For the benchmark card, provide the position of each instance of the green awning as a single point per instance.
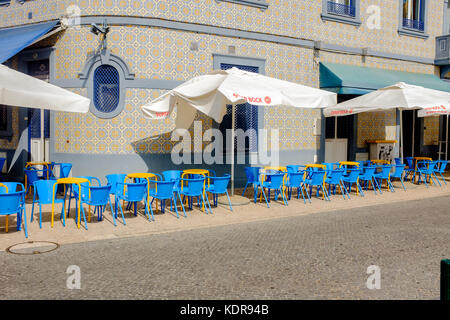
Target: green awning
(347, 79)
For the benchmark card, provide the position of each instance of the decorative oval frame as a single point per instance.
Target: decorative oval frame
(105, 57)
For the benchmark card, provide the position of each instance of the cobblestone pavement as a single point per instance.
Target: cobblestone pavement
(318, 256)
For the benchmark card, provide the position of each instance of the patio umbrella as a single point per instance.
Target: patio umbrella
(211, 93)
(400, 95)
(21, 90)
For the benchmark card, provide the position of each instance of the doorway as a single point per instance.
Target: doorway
(340, 135)
(411, 145)
(37, 118)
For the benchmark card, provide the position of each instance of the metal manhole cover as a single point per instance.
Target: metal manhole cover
(32, 247)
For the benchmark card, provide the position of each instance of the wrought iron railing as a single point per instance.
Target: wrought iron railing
(414, 24)
(341, 9)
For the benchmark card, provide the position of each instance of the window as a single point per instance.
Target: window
(342, 7)
(106, 89)
(412, 19)
(246, 116)
(345, 11)
(413, 14)
(5, 122)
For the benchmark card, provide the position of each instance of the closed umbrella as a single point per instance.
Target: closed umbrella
(211, 93)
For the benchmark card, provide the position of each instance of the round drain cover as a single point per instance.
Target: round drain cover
(32, 247)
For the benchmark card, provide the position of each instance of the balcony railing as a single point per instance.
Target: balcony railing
(414, 24)
(341, 9)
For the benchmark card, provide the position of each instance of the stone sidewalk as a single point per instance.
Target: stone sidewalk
(168, 222)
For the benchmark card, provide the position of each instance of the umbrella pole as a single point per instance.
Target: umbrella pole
(42, 136)
(401, 134)
(413, 131)
(232, 149)
(446, 140)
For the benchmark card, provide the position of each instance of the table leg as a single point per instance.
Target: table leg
(53, 203)
(79, 205)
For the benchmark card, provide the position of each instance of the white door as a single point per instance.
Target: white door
(39, 119)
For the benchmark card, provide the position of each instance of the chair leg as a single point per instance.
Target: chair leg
(182, 206)
(174, 200)
(146, 210)
(265, 198)
(440, 185)
(229, 201)
(25, 227)
(245, 188)
(84, 216)
(112, 212)
(358, 186)
(207, 201)
(121, 211)
(401, 180)
(326, 193)
(63, 213)
(40, 216)
(443, 179)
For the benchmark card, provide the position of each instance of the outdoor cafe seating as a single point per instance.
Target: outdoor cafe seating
(182, 188)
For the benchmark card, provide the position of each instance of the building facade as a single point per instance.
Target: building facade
(153, 46)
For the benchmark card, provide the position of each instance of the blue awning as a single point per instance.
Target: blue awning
(14, 40)
(347, 79)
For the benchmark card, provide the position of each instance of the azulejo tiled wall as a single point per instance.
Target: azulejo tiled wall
(127, 133)
(373, 125)
(164, 54)
(431, 131)
(12, 144)
(155, 53)
(293, 18)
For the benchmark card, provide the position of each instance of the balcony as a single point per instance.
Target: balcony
(414, 24)
(341, 9)
(442, 51)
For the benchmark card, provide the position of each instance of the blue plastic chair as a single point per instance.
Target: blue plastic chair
(440, 168)
(2, 163)
(352, 178)
(385, 175)
(296, 180)
(333, 179)
(398, 161)
(73, 191)
(293, 168)
(132, 193)
(426, 170)
(31, 176)
(316, 178)
(274, 181)
(11, 187)
(253, 178)
(368, 177)
(330, 166)
(65, 169)
(98, 197)
(43, 194)
(12, 203)
(398, 174)
(194, 189)
(219, 185)
(174, 175)
(410, 169)
(164, 190)
(112, 180)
